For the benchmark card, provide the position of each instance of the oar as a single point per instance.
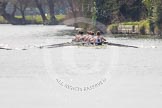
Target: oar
(80, 43)
(119, 45)
(61, 45)
(5, 48)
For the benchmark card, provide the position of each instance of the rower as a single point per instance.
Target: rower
(81, 37)
(99, 39)
(78, 36)
(86, 37)
(91, 38)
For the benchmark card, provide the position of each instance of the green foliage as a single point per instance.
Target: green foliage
(113, 28)
(130, 23)
(94, 16)
(144, 27)
(60, 17)
(145, 23)
(149, 6)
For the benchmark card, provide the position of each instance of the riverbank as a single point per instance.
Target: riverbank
(145, 28)
(34, 19)
(136, 36)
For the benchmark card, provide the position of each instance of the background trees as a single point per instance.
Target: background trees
(104, 11)
(39, 5)
(9, 17)
(20, 6)
(159, 15)
(107, 10)
(51, 4)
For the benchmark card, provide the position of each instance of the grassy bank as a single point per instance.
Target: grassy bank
(2, 20)
(36, 19)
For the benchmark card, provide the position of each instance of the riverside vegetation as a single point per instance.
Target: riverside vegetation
(146, 14)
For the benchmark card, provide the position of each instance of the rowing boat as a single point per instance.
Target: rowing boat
(77, 44)
(93, 46)
(88, 45)
(84, 44)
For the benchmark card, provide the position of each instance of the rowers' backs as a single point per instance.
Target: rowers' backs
(78, 37)
(89, 37)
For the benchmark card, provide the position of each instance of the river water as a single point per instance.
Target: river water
(64, 77)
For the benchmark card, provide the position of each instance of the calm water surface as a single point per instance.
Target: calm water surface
(133, 76)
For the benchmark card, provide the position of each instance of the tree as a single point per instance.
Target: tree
(106, 10)
(73, 7)
(132, 10)
(149, 5)
(21, 5)
(159, 15)
(2, 6)
(9, 17)
(51, 4)
(42, 13)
